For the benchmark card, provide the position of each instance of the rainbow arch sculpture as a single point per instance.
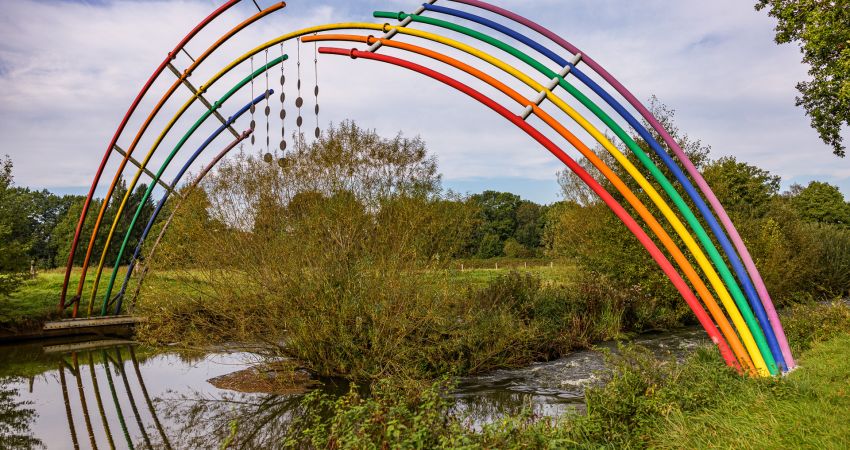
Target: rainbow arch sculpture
(746, 329)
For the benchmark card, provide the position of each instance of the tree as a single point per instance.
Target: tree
(490, 246)
(530, 219)
(822, 28)
(822, 202)
(513, 249)
(16, 419)
(742, 188)
(13, 244)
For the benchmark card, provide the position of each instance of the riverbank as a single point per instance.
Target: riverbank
(27, 309)
(641, 402)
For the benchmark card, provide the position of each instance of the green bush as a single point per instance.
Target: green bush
(807, 325)
(513, 249)
(393, 416)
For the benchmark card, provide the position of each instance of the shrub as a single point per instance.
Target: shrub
(513, 249)
(807, 325)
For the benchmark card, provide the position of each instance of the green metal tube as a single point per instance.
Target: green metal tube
(115, 399)
(657, 174)
(165, 164)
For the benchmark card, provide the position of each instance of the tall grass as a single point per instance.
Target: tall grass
(642, 402)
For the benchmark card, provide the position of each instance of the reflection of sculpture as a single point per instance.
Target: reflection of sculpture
(15, 420)
(197, 420)
(111, 361)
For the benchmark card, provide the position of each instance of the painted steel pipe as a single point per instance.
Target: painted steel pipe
(147, 194)
(752, 270)
(203, 173)
(202, 89)
(606, 197)
(751, 333)
(171, 55)
(176, 180)
(763, 335)
(657, 229)
(750, 294)
(659, 176)
(129, 151)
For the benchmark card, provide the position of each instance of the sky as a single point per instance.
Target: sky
(70, 69)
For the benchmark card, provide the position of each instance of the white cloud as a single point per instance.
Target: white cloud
(69, 70)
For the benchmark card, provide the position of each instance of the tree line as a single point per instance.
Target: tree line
(36, 227)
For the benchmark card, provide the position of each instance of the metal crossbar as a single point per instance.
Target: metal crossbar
(147, 172)
(553, 83)
(203, 100)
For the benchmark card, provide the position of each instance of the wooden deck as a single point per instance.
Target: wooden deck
(110, 326)
(91, 322)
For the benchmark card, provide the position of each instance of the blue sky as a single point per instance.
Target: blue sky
(69, 69)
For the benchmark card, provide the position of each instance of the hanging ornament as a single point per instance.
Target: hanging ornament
(299, 101)
(253, 108)
(282, 106)
(268, 109)
(316, 87)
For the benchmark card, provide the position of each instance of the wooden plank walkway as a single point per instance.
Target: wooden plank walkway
(92, 322)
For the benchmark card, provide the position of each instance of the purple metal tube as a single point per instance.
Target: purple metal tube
(680, 154)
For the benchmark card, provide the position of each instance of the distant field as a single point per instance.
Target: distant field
(38, 298)
(36, 301)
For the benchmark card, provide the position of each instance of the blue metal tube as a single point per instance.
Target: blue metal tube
(705, 211)
(173, 185)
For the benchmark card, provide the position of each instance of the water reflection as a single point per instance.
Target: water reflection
(114, 394)
(113, 362)
(107, 395)
(16, 419)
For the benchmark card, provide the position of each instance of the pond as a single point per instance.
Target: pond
(116, 394)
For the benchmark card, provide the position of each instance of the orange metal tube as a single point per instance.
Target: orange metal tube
(171, 55)
(657, 229)
(129, 151)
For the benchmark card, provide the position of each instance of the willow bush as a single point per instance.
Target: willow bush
(323, 256)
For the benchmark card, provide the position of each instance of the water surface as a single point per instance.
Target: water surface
(115, 394)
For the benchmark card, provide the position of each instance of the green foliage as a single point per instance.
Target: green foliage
(640, 402)
(604, 249)
(513, 249)
(505, 217)
(16, 418)
(808, 325)
(821, 28)
(743, 189)
(821, 202)
(13, 244)
(798, 260)
(334, 272)
(403, 416)
(490, 246)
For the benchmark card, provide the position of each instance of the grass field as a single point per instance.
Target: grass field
(37, 299)
(806, 410)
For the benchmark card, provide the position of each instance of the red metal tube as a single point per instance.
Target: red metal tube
(606, 197)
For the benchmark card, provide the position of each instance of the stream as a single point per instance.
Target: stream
(116, 394)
